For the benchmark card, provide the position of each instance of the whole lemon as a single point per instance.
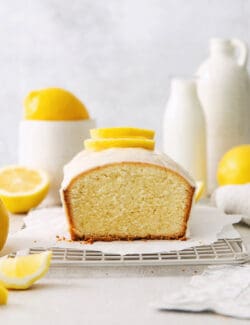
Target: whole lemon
(4, 224)
(54, 104)
(234, 167)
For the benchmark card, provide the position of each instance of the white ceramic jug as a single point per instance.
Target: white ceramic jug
(223, 89)
(184, 128)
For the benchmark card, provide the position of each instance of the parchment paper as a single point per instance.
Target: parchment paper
(206, 225)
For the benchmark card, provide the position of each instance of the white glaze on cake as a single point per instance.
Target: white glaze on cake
(87, 160)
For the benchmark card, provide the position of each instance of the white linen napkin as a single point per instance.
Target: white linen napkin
(221, 289)
(233, 199)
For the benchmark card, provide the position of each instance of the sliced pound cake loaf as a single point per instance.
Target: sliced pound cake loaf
(126, 194)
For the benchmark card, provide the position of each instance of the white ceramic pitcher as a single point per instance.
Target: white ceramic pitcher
(223, 89)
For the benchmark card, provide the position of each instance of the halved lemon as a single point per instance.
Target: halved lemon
(200, 187)
(22, 271)
(3, 295)
(102, 144)
(121, 132)
(4, 224)
(22, 188)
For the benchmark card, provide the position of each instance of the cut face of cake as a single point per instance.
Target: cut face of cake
(126, 194)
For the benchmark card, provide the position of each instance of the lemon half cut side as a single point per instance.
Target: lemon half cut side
(4, 224)
(22, 188)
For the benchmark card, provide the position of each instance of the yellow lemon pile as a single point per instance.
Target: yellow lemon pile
(234, 167)
(54, 104)
(21, 272)
(120, 137)
(22, 188)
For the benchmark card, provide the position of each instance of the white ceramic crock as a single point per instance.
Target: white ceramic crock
(49, 145)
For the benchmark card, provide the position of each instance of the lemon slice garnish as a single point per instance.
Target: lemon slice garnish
(3, 295)
(101, 144)
(22, 271)
(22, 188)
(121, 132)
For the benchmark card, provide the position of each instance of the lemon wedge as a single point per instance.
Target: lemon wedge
(200, 187)
(22, 271)
(4, 224)
(54, 104)
(102, 144)
(121, 132)
(22, 188)
(3, 295)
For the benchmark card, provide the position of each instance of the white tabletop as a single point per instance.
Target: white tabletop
(108, 296)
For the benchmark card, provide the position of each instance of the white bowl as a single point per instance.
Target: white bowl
(49, 145)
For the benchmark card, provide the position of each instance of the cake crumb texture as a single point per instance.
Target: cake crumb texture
(128, 201)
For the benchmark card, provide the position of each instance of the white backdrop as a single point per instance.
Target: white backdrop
(118, 56)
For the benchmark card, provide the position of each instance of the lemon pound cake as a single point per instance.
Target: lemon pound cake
(126, 194)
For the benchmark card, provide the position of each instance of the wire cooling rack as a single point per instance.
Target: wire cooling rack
(223, 251)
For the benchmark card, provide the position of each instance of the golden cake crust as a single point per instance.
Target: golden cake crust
(74, 236)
